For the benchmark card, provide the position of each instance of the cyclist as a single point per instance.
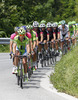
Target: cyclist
(74, 26)
(33, 44)
(77, 30)
(50, 36)
(12, 44)
(64, 33)
(71, 30)
(43, 33)
(37, 30)
(56, 33)
(21, 48)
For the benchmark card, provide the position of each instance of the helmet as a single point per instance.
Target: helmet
(29, 27)
(60, 22)
(35, 24)
(54, 25)
(24, 27)
(16, 29)
(42, 25)
(73, 22)
(49, 24)
(76, 23)
(21, 30)
(69, 23)
(43, 21)
(64, 21)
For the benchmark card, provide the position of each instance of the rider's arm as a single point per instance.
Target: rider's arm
(47, 36)
(11, 44)
(31, 46)
(14, 48)
(28, 48)
(58, 35)
(41, 34)
(54, 36)
(69, 34)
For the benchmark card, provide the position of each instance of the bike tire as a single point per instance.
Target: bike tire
(18, 80)
(21, 78)
(21, 83)
(29, 74)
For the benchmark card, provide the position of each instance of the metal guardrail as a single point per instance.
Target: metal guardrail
(4, 40)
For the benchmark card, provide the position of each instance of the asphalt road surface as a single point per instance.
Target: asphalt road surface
(9, 90)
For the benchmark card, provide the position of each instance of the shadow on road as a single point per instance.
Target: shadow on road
(34, 81)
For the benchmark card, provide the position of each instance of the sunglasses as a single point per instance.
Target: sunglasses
(22, 35)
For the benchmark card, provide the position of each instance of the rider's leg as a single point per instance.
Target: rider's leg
(45, 46)
(52, 44)
(56, 43)
(16, 60)
(25, 65)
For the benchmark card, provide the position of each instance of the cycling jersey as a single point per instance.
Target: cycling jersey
(21, 45)
(76, 27)
(34, 35)
(63, 33)
(12, 36)
(56, 32)
(28, 34)
(38, 34)
(50, 33)
(44, 34)
(71, 30)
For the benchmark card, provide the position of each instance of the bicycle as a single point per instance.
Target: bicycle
(43, 55)
(65, 46)
(20, 71)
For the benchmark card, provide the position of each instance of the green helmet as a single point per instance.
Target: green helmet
(43, 21)
(21, 31)
(29, 27)
(73, 22)
(56, 23)
(60, 22)
(69, 23)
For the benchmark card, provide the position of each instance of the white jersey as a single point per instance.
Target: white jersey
(63, 32)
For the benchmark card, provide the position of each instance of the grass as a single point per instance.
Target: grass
(65, 78)
(4, 48)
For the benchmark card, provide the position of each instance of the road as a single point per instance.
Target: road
(9, 90)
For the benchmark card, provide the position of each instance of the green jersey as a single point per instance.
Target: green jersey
(76, 27)
(21, 45)
(71, 30)
(33, 36)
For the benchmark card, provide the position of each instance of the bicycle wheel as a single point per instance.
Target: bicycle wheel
(18, 77)
(29, 73)
(21, 78)
(41, 61)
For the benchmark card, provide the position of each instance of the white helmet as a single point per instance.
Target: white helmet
(49, 24)
(54, 25)
(35, 24)
(42, 25)
(16, 29)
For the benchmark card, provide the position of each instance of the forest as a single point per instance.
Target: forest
(23, 12)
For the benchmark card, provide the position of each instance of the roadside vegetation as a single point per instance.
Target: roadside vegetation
(65, 78)
(4, 48)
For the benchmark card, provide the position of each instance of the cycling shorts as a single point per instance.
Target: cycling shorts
(24, 54)
(65, 36)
